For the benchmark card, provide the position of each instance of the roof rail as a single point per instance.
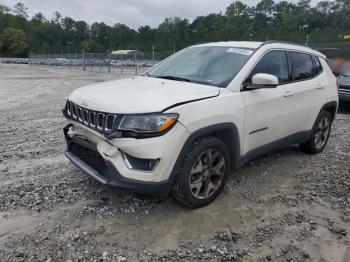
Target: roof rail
(280, 42)
(286, 42)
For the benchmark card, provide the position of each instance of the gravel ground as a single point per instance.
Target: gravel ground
(285, 206)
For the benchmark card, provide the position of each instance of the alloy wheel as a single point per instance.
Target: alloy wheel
(322, 132)
(207, 174)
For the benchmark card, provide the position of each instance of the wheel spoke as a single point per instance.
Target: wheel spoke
(211, 156)
(325, 125)
(210, 188)
(325, 128)
(218, 169)
(196, 187)
(316, 138)
(198, 168)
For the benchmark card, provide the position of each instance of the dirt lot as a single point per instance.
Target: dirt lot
(286, 206)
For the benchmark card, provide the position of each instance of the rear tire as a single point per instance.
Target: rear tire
(320, 134)
(203, 173)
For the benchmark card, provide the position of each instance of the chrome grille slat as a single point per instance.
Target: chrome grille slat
(79, 114)
(103, 123)
(344, 90)
(93, 122)
(109, 119)
(71, 108)
(344, 87)
(68, 108)
(74, 112)
(100, 118)
(86, 117)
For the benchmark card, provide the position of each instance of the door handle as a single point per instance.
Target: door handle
(320, 87)
(288, 94)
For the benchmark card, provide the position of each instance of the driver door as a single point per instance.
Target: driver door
(268, 110)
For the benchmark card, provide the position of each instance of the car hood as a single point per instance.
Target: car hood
(139, 95)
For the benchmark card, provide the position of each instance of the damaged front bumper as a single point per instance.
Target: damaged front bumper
(85, 155)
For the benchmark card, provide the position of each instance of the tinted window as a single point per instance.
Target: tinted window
(302, 66)
(317, 65)
(274, 63)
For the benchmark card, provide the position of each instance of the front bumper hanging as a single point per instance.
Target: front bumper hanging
(84, 154)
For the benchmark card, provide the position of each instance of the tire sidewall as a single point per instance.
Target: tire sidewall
(319, 118)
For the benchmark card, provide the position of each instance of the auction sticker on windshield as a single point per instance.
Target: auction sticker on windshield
(239, 51)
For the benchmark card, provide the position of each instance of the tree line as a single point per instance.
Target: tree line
(327, 21)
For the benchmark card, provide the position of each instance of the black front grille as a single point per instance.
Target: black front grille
(344, 90)
(89, 157)
(344, 87)
(101, 122)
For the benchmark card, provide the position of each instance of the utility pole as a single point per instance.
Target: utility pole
(135, 58)
(61, 58)
(121, 63)
(307, 40)
(153, 54)
(109, 62)
(84, 65)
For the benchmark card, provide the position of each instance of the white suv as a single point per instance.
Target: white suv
(185, 124)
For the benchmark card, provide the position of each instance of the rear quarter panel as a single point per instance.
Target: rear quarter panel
(331, 86)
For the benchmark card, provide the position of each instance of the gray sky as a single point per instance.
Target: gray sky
(133, 13)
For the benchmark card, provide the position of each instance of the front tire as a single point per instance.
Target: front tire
(320, 134)
(203, 173)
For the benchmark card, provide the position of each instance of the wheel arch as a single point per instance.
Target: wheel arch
(330, 107)
(227, 132)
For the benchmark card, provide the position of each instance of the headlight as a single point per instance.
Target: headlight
(148, 123)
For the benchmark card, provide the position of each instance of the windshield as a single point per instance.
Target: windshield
(215, 66)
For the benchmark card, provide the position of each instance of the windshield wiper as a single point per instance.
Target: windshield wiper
(176, 78)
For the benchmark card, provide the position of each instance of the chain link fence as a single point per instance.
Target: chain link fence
(132, 62)
(126, 62)
(333, 50)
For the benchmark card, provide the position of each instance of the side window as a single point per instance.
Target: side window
(317, 65)
(302, 66)
(274, 63)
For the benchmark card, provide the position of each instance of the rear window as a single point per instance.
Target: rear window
(317, 65)
(302, 66)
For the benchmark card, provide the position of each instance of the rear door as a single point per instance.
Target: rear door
(308, 90)
(268, 110)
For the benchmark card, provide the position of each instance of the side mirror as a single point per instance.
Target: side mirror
(263, 81)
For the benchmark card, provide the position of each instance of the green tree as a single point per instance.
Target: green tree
(237, 9)
(56, 19)
(39, 17)
(4, 9)
(322, 21)
(14, 42)
(20, 10)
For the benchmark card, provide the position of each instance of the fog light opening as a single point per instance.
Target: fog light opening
(139, 164)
